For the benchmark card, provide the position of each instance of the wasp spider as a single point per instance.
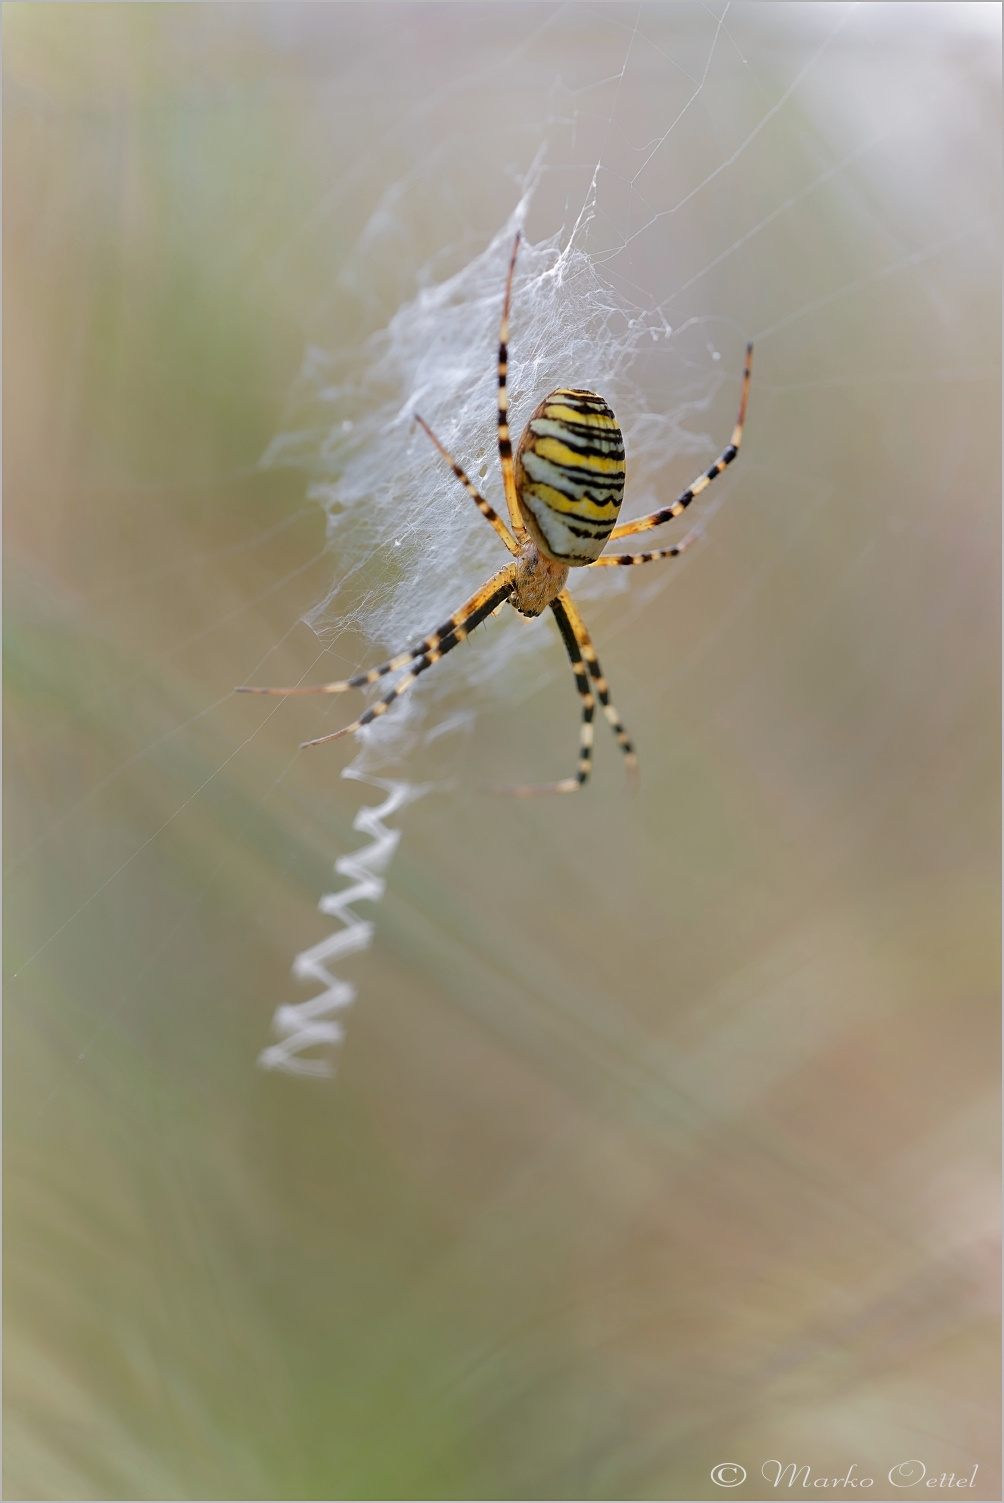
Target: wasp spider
(563, 491)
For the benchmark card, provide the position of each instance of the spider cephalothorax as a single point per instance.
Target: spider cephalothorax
(563, 493)
(537, 580)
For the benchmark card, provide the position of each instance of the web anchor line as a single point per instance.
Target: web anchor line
(304, 1025)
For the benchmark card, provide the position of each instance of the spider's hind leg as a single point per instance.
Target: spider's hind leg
(505, 442)
(488, 512)
(728, 454)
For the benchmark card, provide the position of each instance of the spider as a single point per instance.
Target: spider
(563, 490)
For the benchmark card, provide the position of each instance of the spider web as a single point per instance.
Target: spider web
(407, 544)
(406, 549)
(614, 291)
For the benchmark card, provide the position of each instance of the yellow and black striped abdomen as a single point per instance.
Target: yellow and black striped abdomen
(570, 475)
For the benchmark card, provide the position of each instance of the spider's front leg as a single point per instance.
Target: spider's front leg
(452, 632)
(584, 642)
(582, 656)
(566, 785)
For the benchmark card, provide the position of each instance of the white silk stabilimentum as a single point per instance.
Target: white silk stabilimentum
(303, 1026)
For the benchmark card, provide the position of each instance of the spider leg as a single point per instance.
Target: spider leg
(567, 785)
(453, 632)
(505, 444)
(402, 659)
(593, 664)
(623, 560)
(486, 511)
(581, 655)
(643, 524)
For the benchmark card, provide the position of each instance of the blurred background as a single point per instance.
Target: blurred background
(664, 1130)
